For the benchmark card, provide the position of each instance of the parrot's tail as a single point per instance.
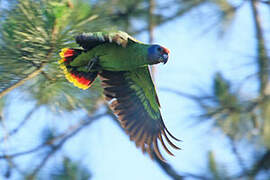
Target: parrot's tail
(80, 79)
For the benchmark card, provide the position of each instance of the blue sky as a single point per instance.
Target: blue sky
(194, 58)
(193, 61)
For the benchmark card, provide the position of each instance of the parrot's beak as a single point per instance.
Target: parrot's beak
(165, 58)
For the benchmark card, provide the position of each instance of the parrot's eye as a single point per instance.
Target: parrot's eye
(159, 49)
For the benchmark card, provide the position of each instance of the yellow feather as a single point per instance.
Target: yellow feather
(64, 50)
(67, 74)
(61, 61)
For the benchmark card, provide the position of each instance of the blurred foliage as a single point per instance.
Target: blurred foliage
(2, 105)
(227, 14)
(217, 171)
(69, 170)
(33, 31)
(241, 118)
(229, 109)
(32, 34)
(48, 134)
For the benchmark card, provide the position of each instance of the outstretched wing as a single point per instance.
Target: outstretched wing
(132, 97)
(93, 39)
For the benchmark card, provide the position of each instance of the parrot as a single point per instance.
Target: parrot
(122, 64)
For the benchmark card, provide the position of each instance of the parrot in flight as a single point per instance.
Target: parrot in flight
(122, 64)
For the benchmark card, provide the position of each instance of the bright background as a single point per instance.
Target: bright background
(197, 53)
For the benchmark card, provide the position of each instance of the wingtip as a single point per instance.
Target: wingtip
(169, 141)
(164, 146)
(170, 134)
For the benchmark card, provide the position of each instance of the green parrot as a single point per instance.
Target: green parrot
(122, 63)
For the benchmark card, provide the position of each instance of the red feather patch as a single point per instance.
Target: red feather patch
(166, 50)
(82, 80)
(69, 53)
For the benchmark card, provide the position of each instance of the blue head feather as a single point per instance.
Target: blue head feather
(157, 54)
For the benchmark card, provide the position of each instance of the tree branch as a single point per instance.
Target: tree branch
(263, 66)
(262, 57)
(71, 131)
(265, 2)
(55, 148)
(262, 163)
(39, 67)
(237, 155)
(21, 124)
(167, 168)
(170, 171)
(22, 81)
(174, 16)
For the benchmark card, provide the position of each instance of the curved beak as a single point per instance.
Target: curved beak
(165, 58)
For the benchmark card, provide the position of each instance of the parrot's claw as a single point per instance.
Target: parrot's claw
(91, 63)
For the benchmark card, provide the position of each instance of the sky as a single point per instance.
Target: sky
(195, 57)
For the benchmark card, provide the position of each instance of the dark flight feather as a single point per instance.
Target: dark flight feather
(130, 106)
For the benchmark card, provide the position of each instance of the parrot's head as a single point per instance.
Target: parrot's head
(158, 54)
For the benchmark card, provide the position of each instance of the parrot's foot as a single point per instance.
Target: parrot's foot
(91, 63)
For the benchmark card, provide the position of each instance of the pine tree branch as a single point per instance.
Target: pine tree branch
(71, 131)
(21, 124)
(262, 163)
(12, 165)
(42, 72)
(186, 95)
(59, 145)
(22, 81)
(265, 2)
(53, 144)
(170, 171)
(237, 155)
(262, 57)
(167, 168)
(263, 67)
(179, 13)
(39, 67)
(30, 151)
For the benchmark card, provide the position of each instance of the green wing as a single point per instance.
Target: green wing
(132, 97)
